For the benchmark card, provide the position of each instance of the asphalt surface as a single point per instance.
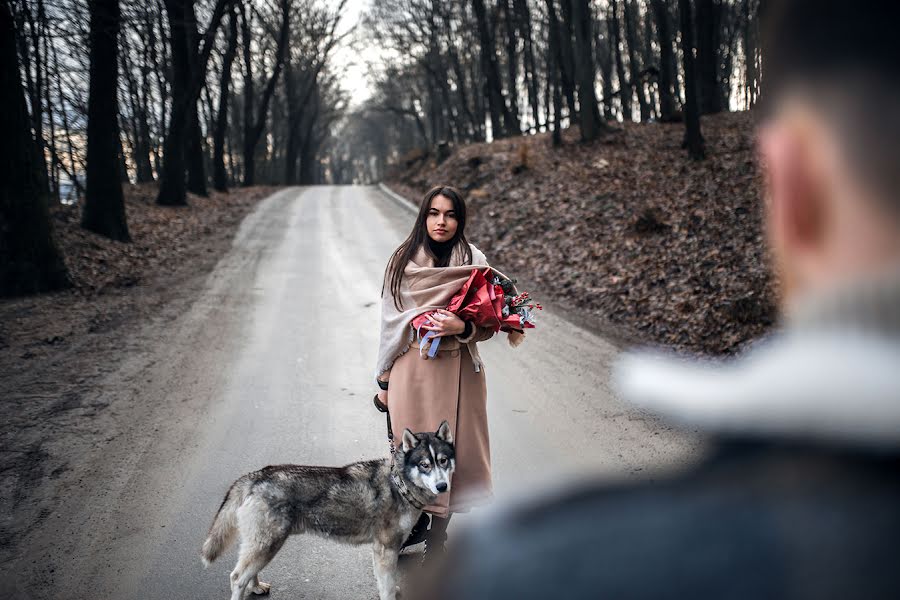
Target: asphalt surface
(273, 363)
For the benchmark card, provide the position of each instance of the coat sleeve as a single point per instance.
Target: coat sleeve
(479, 334)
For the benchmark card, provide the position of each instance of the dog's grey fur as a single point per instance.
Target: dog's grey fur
(356, 504)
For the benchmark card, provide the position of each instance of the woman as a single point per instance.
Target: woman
(423, 274)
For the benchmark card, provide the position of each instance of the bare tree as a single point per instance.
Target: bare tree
(624, 86)
(554, 60)
(531, 75)
(104, 207)
(588, 112)
(667, 100)
(633, 64)
(512, 59)
(502, 122)
(220, 177)
(693, 139)
(29, 259)
(255, 128)
(186, 85)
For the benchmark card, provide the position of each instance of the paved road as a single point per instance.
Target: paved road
(273, 363)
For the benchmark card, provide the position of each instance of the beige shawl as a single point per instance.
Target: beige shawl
(424, 288)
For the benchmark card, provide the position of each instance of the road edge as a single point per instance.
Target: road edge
(400, 200)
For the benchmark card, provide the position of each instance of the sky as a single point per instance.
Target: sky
(349, 60)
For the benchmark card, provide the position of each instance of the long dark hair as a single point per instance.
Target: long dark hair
(440, 252)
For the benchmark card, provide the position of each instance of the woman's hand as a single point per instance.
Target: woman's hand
(445, 323)
(383, 397)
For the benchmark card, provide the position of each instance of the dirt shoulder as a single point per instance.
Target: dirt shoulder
(55, 348)
(626, 232)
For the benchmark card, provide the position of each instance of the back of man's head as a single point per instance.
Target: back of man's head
(844, 57)
(831, 139)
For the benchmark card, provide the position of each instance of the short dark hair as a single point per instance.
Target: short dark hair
(842, 56)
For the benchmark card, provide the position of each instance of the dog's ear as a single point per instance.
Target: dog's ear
(444, 433)
(410, 441)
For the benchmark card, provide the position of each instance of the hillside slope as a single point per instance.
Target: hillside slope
(659, 249)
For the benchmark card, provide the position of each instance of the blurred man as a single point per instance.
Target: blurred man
(800, 497)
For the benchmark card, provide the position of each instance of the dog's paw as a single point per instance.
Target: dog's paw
(261, 589)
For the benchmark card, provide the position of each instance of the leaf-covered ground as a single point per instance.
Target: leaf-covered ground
(627, 230)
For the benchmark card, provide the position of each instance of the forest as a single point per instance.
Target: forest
(197, 95)
(460, 72)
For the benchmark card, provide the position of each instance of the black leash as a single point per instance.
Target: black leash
(398, 481)
(390, 431)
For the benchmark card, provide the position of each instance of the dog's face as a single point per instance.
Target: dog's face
(429, 458)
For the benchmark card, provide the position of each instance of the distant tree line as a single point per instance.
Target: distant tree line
(468, 70)
(186, 93)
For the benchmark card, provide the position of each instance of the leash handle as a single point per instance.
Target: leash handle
(390, 433)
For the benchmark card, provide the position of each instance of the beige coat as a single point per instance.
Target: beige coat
(423, 393)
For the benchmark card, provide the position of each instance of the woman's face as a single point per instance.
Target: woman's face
(441, 222)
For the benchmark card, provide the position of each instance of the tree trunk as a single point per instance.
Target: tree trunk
(524, 18)
(624, 87)
(143, 163)
(172, 188)
(749, 39)
(567, 52)
(649, 60)
(693, 139)
(604, 54)
(708, 20)
(501, 120)
(35, 85)
(255, 131)
(588, 111)
(29, 260)
(478, 99)
(307, 147)
(295, 117)
(512, 61)
(633, 63)
(461, 87)
(668, 107)
(196, 169)
(220, 177)
(187, 82)
(104, 206)
(160, 61)
(554, 65)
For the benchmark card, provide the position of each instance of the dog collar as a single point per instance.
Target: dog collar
(403, 489)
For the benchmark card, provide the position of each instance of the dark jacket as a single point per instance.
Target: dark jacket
(800, 497)
(755, 520)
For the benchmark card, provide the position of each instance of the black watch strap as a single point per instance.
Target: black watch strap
(382, 384)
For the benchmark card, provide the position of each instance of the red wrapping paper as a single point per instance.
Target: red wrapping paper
(480, 302)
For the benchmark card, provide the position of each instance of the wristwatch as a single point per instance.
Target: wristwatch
(382, 384)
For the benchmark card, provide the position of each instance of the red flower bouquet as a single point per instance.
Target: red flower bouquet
(486, 299)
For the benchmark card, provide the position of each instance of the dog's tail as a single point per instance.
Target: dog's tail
(224, 525)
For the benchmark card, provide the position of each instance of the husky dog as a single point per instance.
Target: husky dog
(375, 502)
